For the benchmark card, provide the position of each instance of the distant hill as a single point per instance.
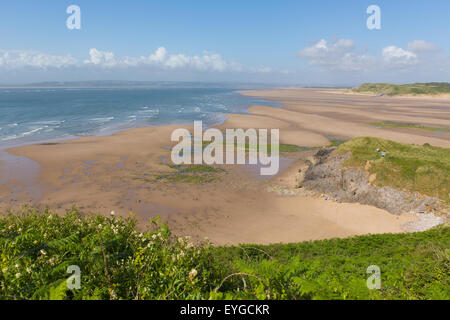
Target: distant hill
(431, 88)
(140, 84)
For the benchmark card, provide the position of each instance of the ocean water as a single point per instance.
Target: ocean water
(39, 115)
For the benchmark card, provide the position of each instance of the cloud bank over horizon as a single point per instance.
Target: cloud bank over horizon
(341, 55)
(38, 66)
(337, 61)
(161, 59)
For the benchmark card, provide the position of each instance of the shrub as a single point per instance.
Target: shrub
(118, 262)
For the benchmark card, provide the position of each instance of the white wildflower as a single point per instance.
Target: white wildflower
(193, 274)
(113, 294)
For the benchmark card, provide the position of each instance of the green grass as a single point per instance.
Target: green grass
(193, 173)
(118, 262)
(283, 148)
(394, 124)
(194, 168)
(50, 144)
(413, 266)
(425, 169)
(336, 143)
(432, 88)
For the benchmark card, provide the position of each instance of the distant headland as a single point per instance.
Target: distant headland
(414, 89)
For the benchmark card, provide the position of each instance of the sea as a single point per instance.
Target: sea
(36, 115)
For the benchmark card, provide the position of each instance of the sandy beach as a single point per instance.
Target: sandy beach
(115, 172)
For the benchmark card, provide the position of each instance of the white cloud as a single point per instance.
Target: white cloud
(337, 55)
(341, 55)
(262, 69)
(206, 62)
(176, 61)
(422, 46)
(159, 56)
(398, 56)
(213, 62)
(20, 58)
(101, 58)
(160, 59)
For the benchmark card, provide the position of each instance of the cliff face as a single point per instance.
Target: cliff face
(324, 172)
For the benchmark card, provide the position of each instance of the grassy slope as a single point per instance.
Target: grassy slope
(413, 266)
(117, 262)
(425, 169)
(432, 88)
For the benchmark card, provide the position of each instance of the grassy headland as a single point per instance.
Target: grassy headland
(425, 169)
(431, 88)
(118, 262)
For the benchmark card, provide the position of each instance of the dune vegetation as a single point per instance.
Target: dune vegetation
(431, 88)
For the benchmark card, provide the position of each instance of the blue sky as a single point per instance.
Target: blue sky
(297, 42)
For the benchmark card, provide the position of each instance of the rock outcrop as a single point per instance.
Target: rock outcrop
(324, 173)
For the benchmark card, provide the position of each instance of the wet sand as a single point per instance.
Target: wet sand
(345, 115)
(116, 172)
